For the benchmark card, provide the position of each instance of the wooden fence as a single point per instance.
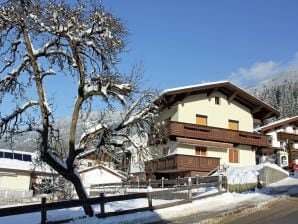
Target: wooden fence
(221, 182)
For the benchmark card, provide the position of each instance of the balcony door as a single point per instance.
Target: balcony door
(201, 151)
(201, 120)
(234, 125)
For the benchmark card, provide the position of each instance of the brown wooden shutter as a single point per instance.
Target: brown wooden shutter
(236, 156)
(231, 157)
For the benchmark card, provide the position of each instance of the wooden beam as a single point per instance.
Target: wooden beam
(267, 115)
(232, 96)
(211, 91)
(256, 109)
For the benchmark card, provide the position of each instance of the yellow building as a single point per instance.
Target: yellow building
(208, 125)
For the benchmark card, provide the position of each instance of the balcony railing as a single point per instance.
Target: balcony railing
(186, 130)
(182, 163)
(287, 136)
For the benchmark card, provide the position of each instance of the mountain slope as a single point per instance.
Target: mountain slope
(281, 92)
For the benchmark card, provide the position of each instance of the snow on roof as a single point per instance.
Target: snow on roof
(103, 167)
(245, 97)
(194, 86)
(17, 151)
(20, 165)
(27, 166)
(276, 123)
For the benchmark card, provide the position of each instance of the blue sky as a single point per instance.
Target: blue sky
(194, 41)
(189, 42)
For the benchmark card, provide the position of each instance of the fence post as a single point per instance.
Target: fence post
(102, 205)
(43, 210)
(197, 179)
(149, 195)
(149, 182)
(189, 189)
(162, 182)
(178, 182)
(220, 183)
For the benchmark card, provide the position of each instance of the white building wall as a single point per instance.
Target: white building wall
(98, 176)
(273, 134)
(218, 115)
(14, 181)
(247, 156)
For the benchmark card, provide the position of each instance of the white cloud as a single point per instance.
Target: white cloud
(261, 71)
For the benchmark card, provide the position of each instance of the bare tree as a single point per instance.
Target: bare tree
(42, 39)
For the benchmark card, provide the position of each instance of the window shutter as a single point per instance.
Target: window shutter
(201, 120)
(233, 125)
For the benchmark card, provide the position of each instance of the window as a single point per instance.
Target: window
(201, 120)
(8, 155)
(233, 156)
(17, 156)
(1, 154)
(233, 125)
(201, 151)
(217, 100)
(27, 158)
(89, 164)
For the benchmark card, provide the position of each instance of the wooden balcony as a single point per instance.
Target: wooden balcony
(186, 130)
(179, 162)
(287, 136)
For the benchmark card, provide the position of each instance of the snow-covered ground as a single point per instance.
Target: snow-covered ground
(220, 203)
(247, 174)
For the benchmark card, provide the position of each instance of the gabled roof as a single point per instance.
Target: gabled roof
(260, 109)
(279, 123)
(100, 166)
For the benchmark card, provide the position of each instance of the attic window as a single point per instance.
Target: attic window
(217, 100)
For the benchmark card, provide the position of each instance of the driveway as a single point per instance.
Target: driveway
(282, 210)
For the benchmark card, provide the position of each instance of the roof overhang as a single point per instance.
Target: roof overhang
(259, 109)
(280, 123)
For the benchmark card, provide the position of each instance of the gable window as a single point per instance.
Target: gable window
(233, 125)
(201, 120)
(233, 156)
(201, 151)
(217, 100)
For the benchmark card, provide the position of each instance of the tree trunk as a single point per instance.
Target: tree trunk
(76, 181)
(71, 176)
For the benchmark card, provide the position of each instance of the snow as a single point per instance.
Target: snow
(220, 203)
(247, 174)
(14, 164)
(277, 122)
(194, 86)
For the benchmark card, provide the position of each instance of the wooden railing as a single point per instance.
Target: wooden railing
(286, 135)
(186, 130)
(43, 208)
(182, 162)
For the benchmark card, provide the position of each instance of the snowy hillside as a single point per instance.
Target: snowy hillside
(281, 92)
